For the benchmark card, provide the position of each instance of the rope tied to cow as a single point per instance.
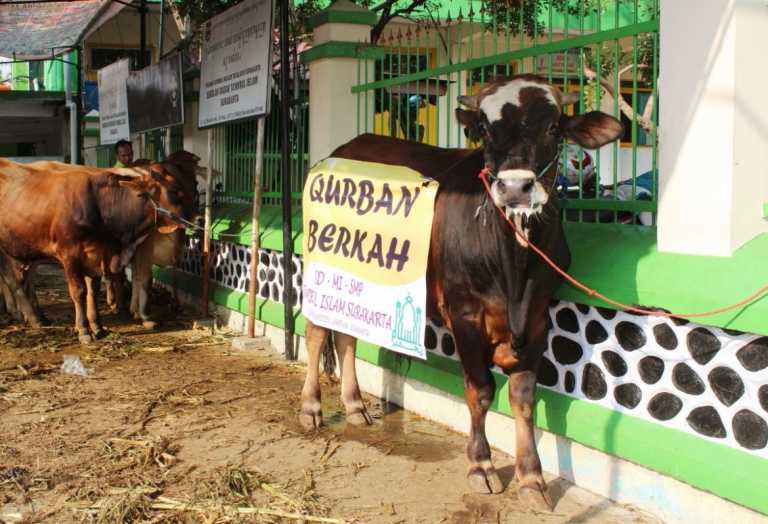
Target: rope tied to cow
(160, 210)
(483, 176)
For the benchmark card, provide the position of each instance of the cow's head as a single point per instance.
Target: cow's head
(163, 193)
(521, 123)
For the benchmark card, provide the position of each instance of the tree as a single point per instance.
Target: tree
(201, 10)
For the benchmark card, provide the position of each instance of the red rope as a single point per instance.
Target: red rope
(594, 293)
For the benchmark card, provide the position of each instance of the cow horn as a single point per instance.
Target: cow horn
(470, 102)
(128, 171)
(570, 97)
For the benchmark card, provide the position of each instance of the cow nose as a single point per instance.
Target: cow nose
(514, 187)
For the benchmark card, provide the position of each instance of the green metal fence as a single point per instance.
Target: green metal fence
(105, 156)
(235, 155)
(607, 50)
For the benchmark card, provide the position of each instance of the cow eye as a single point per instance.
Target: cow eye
(552, 129)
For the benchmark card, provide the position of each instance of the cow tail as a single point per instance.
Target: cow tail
(328, 356)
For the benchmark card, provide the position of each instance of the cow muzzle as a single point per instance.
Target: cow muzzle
(518, 191)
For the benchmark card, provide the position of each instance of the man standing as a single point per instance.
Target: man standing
(124, 153)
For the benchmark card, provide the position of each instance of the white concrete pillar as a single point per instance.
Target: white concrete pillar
(713, 125)
(341, 34)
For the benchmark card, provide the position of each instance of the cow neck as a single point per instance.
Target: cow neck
(124, 213)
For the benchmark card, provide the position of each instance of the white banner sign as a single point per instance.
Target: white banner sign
(366, 241)
(236, 69)
(113, 103)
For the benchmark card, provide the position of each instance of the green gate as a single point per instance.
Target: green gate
(234, 156)
(607, 50)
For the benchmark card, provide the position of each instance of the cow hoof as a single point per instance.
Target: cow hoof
(534, 498)
(484, 481)
(85, 339)
(311, 421)
(149, 324)
(359, 418)
(99, 333)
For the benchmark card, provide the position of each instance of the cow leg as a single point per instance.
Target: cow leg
(78, 293)
(17, 278)
(350, 390)
(8, 284)
(9, 300)
(532, 488)
(311, 416)
(115, 285)
(93, 286)
(29, 291)
(111, 299)
(141, 274)
(479, 390)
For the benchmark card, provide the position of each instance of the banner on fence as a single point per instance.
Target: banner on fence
(156, 96)
(366, 242)
(113, 102)
(236, 70)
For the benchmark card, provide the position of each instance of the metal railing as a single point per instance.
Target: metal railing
(235, 156)
(607, 50)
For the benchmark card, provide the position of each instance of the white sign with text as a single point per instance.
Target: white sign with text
(113, 102)
(236, 69)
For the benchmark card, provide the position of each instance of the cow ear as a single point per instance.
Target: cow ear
(470, 120)
(591, 130)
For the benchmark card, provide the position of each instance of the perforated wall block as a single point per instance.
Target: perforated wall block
(231, 268)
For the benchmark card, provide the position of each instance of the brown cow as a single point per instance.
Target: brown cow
(91, 221)
(159, 249)
(482, 281)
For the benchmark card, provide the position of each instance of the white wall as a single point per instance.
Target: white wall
(714, 126)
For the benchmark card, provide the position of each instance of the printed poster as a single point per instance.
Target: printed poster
(156, 95)
(113, 102)
(236, 69)
(366, 242)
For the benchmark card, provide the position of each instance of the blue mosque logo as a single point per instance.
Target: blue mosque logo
(406, 333)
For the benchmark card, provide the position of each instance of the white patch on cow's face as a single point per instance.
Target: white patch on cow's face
(509, 93)
(516, 174)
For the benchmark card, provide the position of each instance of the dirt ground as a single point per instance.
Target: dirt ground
(173, 426)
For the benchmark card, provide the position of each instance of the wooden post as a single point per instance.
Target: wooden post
(253, 285)
(285, 173)
(207, 232)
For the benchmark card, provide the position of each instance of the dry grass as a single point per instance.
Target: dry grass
(231, 494)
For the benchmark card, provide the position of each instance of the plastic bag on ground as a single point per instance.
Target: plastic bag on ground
(73, 366)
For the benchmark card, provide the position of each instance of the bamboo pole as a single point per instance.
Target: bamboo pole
(207, 231)
(253, 284)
